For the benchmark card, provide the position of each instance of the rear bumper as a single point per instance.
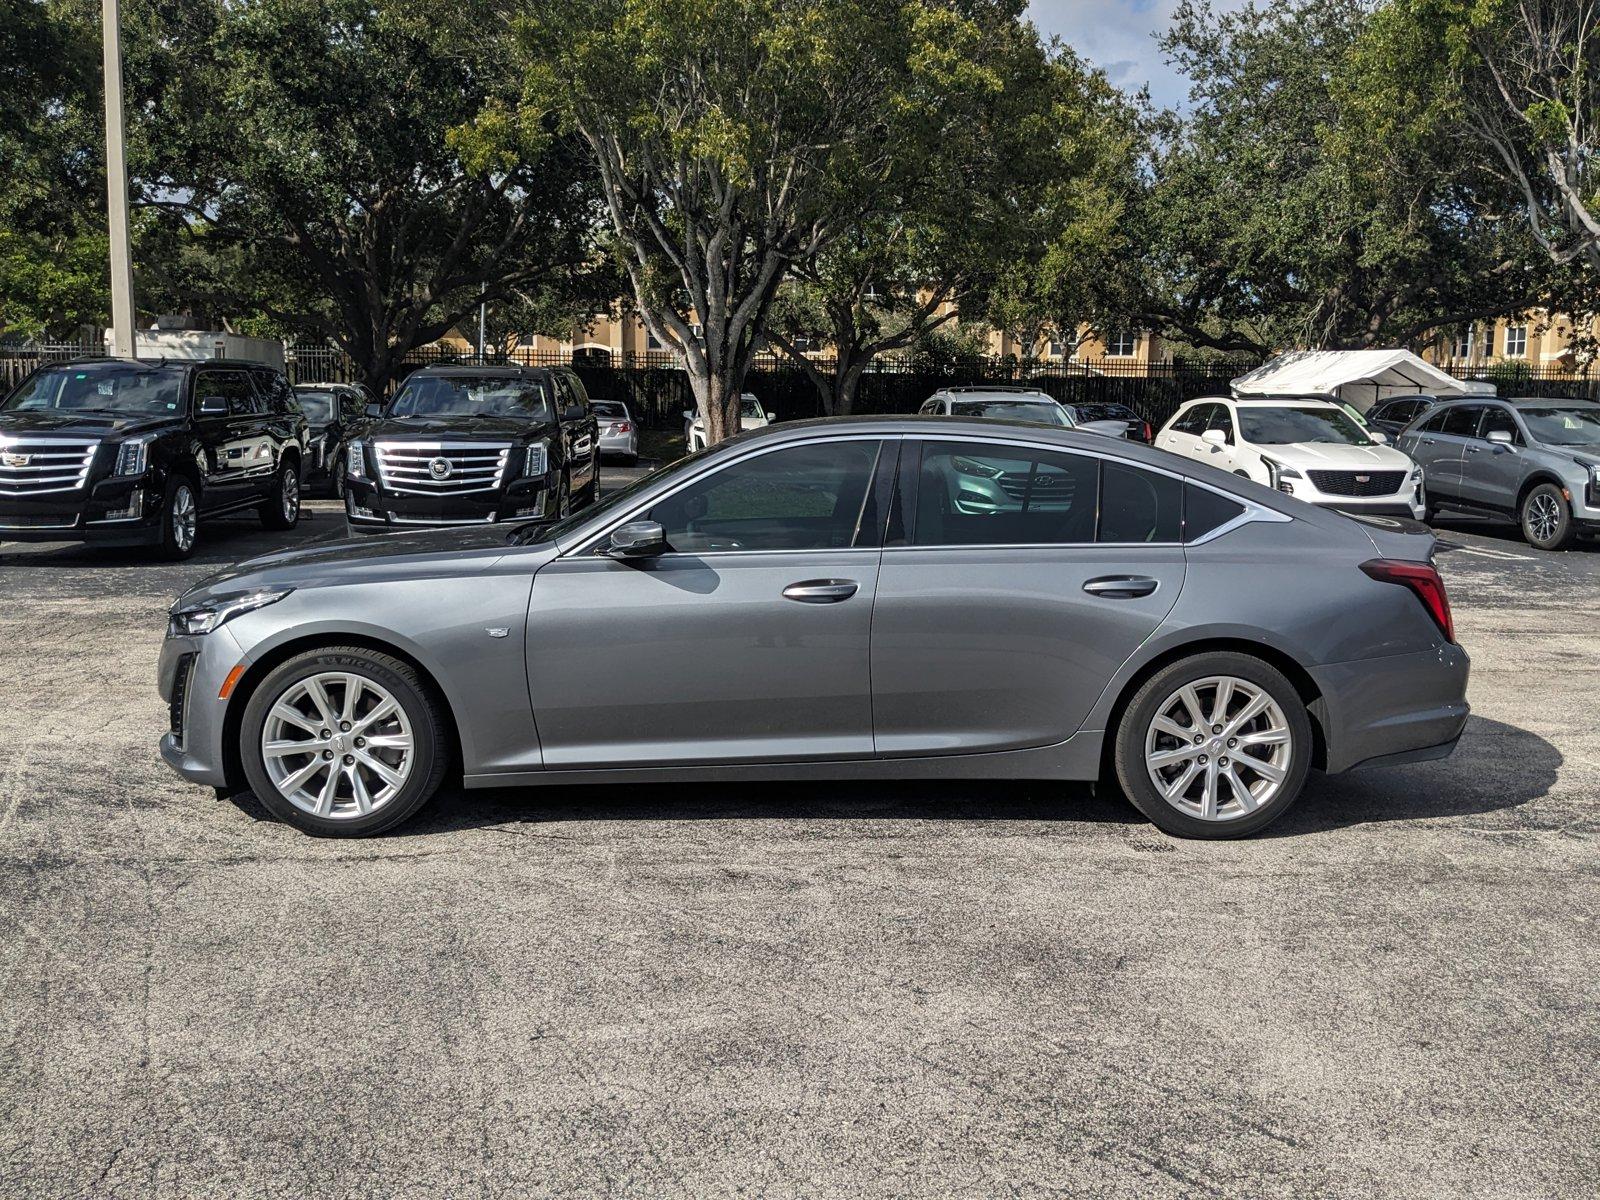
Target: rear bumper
(1402, 708)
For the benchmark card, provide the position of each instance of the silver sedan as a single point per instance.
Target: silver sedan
(906, 598)
(619, 432)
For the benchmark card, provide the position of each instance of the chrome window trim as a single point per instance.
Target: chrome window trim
(1253, 511)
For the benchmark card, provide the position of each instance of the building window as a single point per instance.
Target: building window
(1122, 344)
(1058, 350)
(1462, 347)
(1516, 341)
(651, 341)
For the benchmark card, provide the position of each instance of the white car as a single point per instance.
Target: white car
(1309, 449)
(1000, 403)
(751, 416)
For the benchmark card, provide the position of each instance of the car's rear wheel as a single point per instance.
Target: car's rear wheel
(1547, 518)
(180, 519)
(1214, 746)
(343, 742)
(281, 509)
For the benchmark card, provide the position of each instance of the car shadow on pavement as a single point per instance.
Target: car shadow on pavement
(222, 543)
(1495, 766)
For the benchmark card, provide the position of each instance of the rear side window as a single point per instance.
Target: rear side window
(1462, 421)
(1139, 506)
(1434, 424)
(1205, 510)
(977, 494)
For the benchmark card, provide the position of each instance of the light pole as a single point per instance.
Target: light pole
(124, 338)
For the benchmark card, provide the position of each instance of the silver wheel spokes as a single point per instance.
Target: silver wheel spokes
(183, 518)
(1543, 517)
(337, 745)
(291, 494)
(1218, 748)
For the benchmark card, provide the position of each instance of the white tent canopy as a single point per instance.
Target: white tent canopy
(1358, 377)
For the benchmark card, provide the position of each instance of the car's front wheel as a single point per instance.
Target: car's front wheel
(180, 520)
(343, 742)
(281, 509)
(1547, 518)
(1214, 746)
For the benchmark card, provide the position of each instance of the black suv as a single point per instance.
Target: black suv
(473, 445)
(335, 413)
(134, 453)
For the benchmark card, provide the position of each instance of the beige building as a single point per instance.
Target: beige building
(1537, 339)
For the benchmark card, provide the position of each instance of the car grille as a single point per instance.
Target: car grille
(180, 693)
(1357, 483)
(32, 466)
(441, 468)
(1046, 485)
(38, 521)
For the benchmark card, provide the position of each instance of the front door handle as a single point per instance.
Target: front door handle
(821, 591)
(1121, 587)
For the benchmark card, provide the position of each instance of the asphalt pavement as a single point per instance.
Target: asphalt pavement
(795, 990)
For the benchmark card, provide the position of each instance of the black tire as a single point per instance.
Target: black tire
(1129, 744)
(338, 475)
(423, 714)
(179, 534)
(281, 509)
(1546, 518)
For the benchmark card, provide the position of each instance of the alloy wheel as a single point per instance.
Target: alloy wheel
(1544, 517)
(291, 495)
(1218, 748)
(184, 518)
(337, 745)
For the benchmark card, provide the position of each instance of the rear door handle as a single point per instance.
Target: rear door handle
(821, 591)
(1121, 587)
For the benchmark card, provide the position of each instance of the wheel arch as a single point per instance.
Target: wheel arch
(239, 700)
(1540, 475)
(1292, 670)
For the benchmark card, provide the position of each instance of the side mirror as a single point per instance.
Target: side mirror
(772, 417)
(1378, 436)
(213, 406)
(1500, 437)
(636, 539)
(1215, 436)
(374, 409)
(689, 414)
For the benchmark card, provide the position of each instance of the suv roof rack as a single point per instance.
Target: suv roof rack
(996, 387)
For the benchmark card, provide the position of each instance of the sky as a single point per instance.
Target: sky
(1118, 36)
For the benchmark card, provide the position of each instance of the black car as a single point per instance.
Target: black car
(334, 414)
(1394, 414)
(135, 453)
(475, 445)
(1138, 429)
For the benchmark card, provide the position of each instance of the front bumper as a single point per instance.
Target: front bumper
(370, 509)
(82, 516)
(189, 675)
(1396, 708)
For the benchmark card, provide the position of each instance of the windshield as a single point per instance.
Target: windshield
(1105, 412)
(101, 387)
(433, 396)
(318, 406)
(749, 406)
(1036, 412)
(1285, 426)
(1564, 425)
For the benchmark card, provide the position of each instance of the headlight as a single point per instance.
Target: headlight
(356, 460)
(133, 456)
(1277, 473)
(537, 461)
(208, 615)
(971, 466)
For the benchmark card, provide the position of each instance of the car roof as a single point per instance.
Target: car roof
(997, 391)
(1278, 401)
(1525, 401)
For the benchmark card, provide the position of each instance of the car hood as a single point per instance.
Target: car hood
(456, 429)
(52, 422)
(1322, 456)
(424, 554)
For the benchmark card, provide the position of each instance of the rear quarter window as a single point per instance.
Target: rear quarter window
(1205, 511)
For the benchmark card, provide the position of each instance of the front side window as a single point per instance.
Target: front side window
(100, 387)
(1223, 420)
(1192, 420)
(800, 498)
(1564, 424)
(975, 493)
(1034, 412)
(1285, 426)
(1499, 420)
(439, 396)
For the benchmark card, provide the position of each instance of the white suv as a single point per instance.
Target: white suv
(997, 402)
(1309, 449)
(751, 416)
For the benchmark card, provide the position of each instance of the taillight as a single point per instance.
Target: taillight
(621, 427)
(1423, 580)
(1149, 434)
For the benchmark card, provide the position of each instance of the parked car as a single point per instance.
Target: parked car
(1534, 460)
(131, 453)
(752, 415)
(1309, 449)
(819, 601)
(1393, 415)
(466, 445)
(1135, 427)
(619, 432)
(334, 412)
(1001, 403)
